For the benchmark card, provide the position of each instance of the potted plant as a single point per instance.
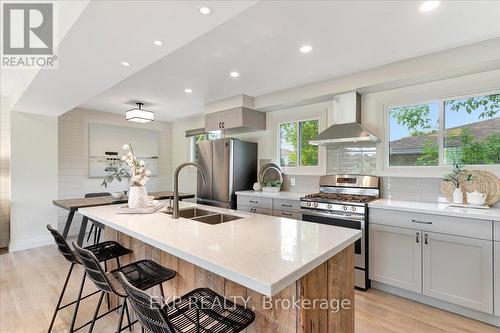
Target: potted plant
(271, 186)
(137, 173)
(455, 177)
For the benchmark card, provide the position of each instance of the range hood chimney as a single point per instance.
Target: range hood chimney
(347, 122)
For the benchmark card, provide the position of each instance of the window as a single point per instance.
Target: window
(413, 135)
(199, 138)
(472, 130)
(295, 149)
(469, 134)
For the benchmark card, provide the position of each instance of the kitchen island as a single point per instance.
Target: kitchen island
(296, 276)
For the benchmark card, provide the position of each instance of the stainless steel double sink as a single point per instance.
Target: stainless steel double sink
(206, 216)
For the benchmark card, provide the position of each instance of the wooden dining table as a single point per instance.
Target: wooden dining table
(72, 206)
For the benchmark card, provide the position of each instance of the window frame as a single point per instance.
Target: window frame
(441, 134)
(299, 141)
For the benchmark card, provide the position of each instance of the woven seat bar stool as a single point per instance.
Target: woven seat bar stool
(143, 274)
(103, 251)
(199, 311)
(96, 227)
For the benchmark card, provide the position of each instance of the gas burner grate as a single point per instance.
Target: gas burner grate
(341, 197)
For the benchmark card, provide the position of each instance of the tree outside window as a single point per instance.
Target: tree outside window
(471, 132)
(295, 149)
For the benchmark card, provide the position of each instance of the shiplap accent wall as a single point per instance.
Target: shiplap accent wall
(4, 174)
(74, 178)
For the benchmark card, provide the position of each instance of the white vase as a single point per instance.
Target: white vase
(138, 197)
(458, 196)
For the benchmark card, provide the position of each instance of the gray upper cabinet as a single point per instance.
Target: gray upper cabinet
(236, 120)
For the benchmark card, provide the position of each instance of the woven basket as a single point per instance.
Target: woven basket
(482, 181)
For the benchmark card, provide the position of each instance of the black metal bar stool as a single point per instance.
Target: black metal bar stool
(201, 311)
(103, 251)
(96, 227)
(143, 274)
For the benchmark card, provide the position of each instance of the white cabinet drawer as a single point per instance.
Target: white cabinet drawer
(257, 202)
(290, 215)
(286, 205)
(466, 227)
(255, 210)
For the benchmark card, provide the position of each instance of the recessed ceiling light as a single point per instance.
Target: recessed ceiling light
(306, 48)
(428, 6)
(124, 63)
(188, 91)
(234, 74)
(158, 42)
(205, 10)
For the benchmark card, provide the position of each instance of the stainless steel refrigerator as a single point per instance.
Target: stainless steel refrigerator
(230, 165)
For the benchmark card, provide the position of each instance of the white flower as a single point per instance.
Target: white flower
(141, 162)
(124, 158)
(148, 173)
(141, 169)
(125, 147)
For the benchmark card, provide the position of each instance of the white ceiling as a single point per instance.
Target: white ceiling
(109, 32)
(260, 41)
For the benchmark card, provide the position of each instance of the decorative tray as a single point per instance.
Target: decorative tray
(151, 209)
(469, 206)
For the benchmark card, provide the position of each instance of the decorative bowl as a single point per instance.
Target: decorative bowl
(117, 195)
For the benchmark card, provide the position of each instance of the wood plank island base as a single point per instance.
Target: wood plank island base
(322, 301)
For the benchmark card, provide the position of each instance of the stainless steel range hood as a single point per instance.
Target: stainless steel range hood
(347, 122)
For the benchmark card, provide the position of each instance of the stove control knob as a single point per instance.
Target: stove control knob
(315, 204)
(329, 206)
(353, 208)
(308, 204)
(344, 207)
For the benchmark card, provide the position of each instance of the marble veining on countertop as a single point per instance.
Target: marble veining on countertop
(275, 195)
(492, 214)
(260, 252)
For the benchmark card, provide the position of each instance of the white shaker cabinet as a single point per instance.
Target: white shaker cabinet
(396, 256)
(497, 277)
(458, 270)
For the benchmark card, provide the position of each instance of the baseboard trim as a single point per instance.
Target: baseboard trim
(26, 244)
(460, 310)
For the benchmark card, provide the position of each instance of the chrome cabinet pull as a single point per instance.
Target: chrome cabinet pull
(418, 237)
(289, 206)
(253, 201)
(421, 222)
(222, 124)
(426, 239)
(286, 214)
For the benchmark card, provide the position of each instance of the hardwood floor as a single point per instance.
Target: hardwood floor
(30, 282)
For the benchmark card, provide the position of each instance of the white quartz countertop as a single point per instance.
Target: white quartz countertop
(263, 253)
(492, 214)
(275, 195)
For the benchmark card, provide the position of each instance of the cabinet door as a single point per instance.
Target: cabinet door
(255, 210)
(458, 270)
(213, 121)
(497, 278)
(232, 118)
(395, 256)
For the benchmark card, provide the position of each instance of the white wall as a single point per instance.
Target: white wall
(74, 179)
(33, 179)
(5, 110)
(182, 149)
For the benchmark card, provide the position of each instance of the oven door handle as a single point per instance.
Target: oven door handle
(336, 216)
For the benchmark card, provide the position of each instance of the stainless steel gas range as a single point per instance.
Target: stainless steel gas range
(343, 201)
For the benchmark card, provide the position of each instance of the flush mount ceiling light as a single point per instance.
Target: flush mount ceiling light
(428, 6)
(188, 91)
(205, 10)
(124, 63)
(234, 74)
(139, 115)
(306, 48)
(158, 42)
